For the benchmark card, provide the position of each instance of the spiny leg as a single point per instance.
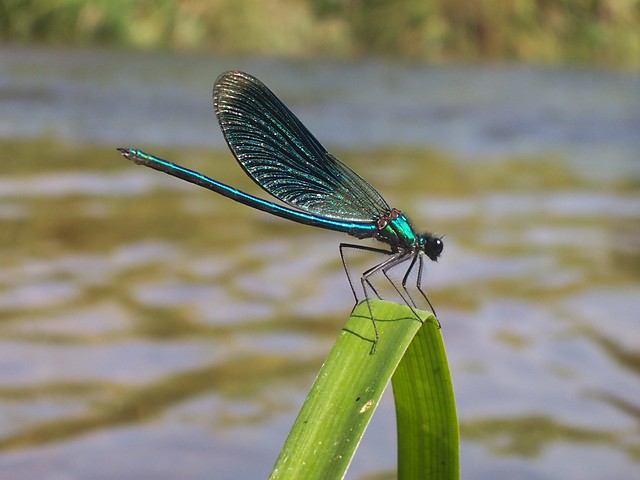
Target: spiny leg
(365, 281)
(411, 304)
(386, 270)
(406, 276)
(343, 247)
(419, 287)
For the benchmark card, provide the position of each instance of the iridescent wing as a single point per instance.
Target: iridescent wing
(280, 154)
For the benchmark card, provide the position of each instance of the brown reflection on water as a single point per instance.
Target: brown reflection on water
(529, 436)
(111, 405)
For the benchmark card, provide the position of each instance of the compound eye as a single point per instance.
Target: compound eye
(432, 246)
(438, 246)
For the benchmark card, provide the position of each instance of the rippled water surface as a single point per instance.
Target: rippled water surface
(150, 329)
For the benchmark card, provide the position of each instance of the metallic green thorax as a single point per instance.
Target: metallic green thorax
(396, 230)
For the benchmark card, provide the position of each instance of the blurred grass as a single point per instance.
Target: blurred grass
(604, 32)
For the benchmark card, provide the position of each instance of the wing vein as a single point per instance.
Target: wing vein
(280, 154)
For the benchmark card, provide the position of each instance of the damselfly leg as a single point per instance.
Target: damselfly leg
(394, 259)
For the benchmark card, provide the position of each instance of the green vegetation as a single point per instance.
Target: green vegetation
(576, 31)
(349, 387)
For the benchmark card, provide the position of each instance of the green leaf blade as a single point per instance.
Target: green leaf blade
(348, 389)
(427, 421)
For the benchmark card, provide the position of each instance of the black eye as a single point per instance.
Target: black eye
(438, 245)
(432, 246)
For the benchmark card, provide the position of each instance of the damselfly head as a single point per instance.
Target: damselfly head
(431, 245)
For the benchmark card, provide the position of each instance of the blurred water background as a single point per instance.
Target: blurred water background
(151, 329)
